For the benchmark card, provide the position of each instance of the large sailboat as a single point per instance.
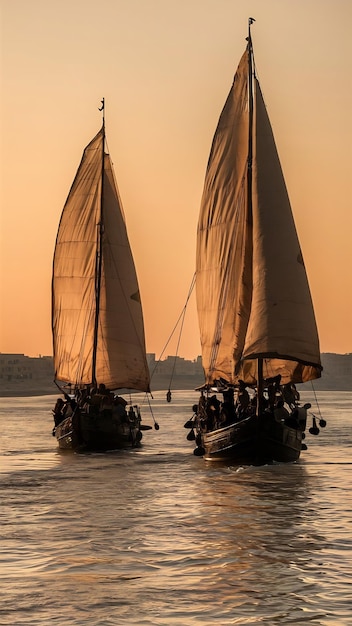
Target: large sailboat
(257, 325)
(97, 320)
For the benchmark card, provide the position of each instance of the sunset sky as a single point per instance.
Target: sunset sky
(165, 68)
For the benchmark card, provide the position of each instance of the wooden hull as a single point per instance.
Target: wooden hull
(252, 441)
(97, 432)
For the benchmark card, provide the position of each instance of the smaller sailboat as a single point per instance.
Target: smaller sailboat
(97, 319)
(257, 325)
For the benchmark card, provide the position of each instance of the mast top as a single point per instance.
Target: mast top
(102, 108)
(250, 22)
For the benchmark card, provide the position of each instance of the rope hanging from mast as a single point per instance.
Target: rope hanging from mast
(181, 316)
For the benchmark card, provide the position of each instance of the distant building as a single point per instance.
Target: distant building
(21, 374)
(18, 367)
(175, 372)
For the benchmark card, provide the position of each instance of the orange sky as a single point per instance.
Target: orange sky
(165, 68)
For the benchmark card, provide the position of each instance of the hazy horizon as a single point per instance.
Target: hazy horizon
(171, 356)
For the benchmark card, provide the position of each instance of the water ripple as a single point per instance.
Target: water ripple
(157, 537)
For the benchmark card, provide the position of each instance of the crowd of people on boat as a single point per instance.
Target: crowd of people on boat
(92, 400)
(278, 402)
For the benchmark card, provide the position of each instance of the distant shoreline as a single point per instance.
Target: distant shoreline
(22, 376)
(161, 384)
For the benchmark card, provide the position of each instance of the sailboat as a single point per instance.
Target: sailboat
(258, 331)
(97, 319)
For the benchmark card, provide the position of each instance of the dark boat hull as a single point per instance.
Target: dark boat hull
(253, 441)
(101, 432)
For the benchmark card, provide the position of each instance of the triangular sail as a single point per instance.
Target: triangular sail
(253, 296)
(224, 256)
(120, 351)
(282, 328)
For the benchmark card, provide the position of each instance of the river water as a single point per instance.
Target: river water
(157, 536)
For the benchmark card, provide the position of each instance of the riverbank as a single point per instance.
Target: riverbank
(22, 376)
(43, 388)
(21, 389)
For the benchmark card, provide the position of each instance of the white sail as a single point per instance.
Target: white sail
(253, 296)
(117, 356)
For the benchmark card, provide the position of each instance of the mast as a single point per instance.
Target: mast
(99, 255)
(249, 181)
(250, 116)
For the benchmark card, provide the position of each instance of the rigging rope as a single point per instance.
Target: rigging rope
(156, 425)
(177, 347)
(316, 399)
(181, 316)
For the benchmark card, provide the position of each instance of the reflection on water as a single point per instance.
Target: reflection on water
(157, 536)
